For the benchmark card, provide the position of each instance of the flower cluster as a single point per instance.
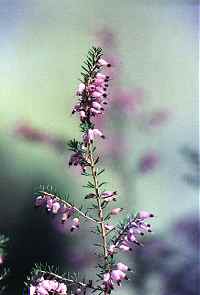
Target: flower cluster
(115, 277)
(128, 236)
(93, 92)
(55, 205)
(46, 287)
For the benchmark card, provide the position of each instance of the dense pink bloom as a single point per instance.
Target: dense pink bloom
(129, 235)
(115, 276)
(47, 287)
(96, 96)
(118, 275)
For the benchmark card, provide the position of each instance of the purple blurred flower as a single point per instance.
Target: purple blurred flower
(127, 100)
(157, 118)
(148, 162)
(27, 131)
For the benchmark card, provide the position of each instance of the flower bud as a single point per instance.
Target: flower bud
(123, 267)
(144, 215)
(55, 207)
(116, 211)
(103, 62)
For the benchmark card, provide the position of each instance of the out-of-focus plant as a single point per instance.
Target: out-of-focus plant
(127, 107)
(96, 209)
(3, 271)
(177, 251)
(192, 158)
(176, 265)
(28, 132)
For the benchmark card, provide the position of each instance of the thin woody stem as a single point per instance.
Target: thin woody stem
(70, 206)
(98, 198)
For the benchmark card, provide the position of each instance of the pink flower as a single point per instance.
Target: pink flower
(144, 215)
(42, 291)
(125, 247)
(49, 203)
(102, 76)
(91, 134)
(75, 224)
(115, 211)
(109, 226)
(62, 289)
(123, 267)
(118, 275)
(97, 106)
(103, 62)
(111, 250)
(108, 283)
(82, 115)
(81, 88)
(67, 214)
(55, 207)
(47, 287)
(32, 290)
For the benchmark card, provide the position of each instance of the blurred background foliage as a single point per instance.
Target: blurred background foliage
(154, 48)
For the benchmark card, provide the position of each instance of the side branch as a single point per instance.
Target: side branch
(69, 281)
(59, 199)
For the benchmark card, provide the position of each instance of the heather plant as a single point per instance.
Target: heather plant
(191, 156)
(97, 208)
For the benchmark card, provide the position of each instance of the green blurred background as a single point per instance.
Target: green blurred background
(43, 44)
